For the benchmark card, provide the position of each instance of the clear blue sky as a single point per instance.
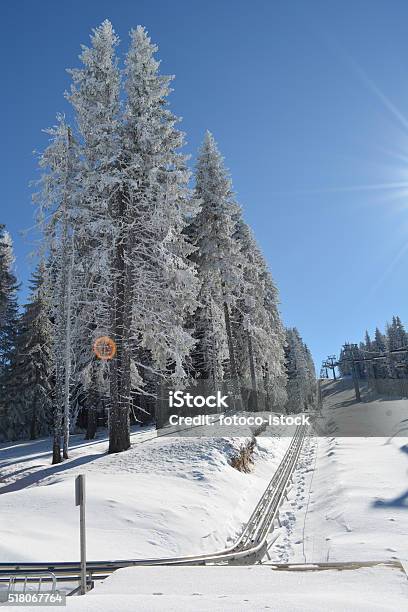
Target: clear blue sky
(309, 104)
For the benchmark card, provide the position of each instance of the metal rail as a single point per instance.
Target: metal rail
(250, 547)
(334, 565)
(37, 577)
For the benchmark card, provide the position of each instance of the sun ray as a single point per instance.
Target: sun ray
(376, 286)
(390, 106)
(350, 188)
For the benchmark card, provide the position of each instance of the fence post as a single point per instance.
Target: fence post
(80, 501)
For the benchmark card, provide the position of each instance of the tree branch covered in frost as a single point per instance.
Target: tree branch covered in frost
(174, 278)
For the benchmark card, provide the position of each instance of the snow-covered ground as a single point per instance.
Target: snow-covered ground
(165, 496)
(176, 496)
(245, 589)
(350, 499)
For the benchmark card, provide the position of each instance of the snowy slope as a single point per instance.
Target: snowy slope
(165, 496)
(236, 589)
(172, 496)
(354, 505)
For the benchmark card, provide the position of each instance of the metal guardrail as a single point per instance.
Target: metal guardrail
(249, 547)
(31, 577)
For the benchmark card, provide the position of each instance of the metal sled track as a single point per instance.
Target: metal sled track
(250, 547)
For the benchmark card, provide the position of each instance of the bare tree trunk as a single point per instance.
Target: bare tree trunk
(252, 370)
(67, 368)
(213, 374)
(119, 432)
(63, 333)
(56, 445)
(91, 413)
(231, 352)
(266, 385)
(91, 422)
(59, 400)
(33, 424)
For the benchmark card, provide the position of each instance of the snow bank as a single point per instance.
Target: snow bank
(246, 588)
(354, 506)
(165, 496)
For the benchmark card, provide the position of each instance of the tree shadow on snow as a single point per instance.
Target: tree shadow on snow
(36, 477)
(398, 502)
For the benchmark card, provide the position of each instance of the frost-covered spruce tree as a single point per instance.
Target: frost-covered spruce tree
(57, 214)
(379, 345)
(344, 363)
(94, 95)
(274, 369)
(298, 371)
(311, 376)
(8, 298)
(8, 319)
(211, 350)
(367, 342)
(218, 256)
(397, 338)
(135, 190)
(30, 383)
(155, 283)
(259, 332)
(248, 313)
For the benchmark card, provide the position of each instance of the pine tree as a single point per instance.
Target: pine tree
(274, 366)
(379, 346)
(366, 349)
(57, 214)
(8, 318)
(300, 371)
(258, 330)
(30, 383)
(344, 363)
(367, 342)
(386, 362)
(311, 376)
(137, 186)
(94, 95)
(396, 338)
(218, 256)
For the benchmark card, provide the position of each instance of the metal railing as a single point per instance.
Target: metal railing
(251, 546)
(27, 578)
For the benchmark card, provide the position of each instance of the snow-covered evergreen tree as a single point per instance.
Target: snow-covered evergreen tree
(344, 363)
(379, 346)
(383, 357)
(57, 213)
(129, 258)
(8, 319)
(311, 376)
(367, 342)
(94, 95)
(136, 186)
(29, 387)
(258, 330)
(396, 339)
(218, 259)
(300, 371)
